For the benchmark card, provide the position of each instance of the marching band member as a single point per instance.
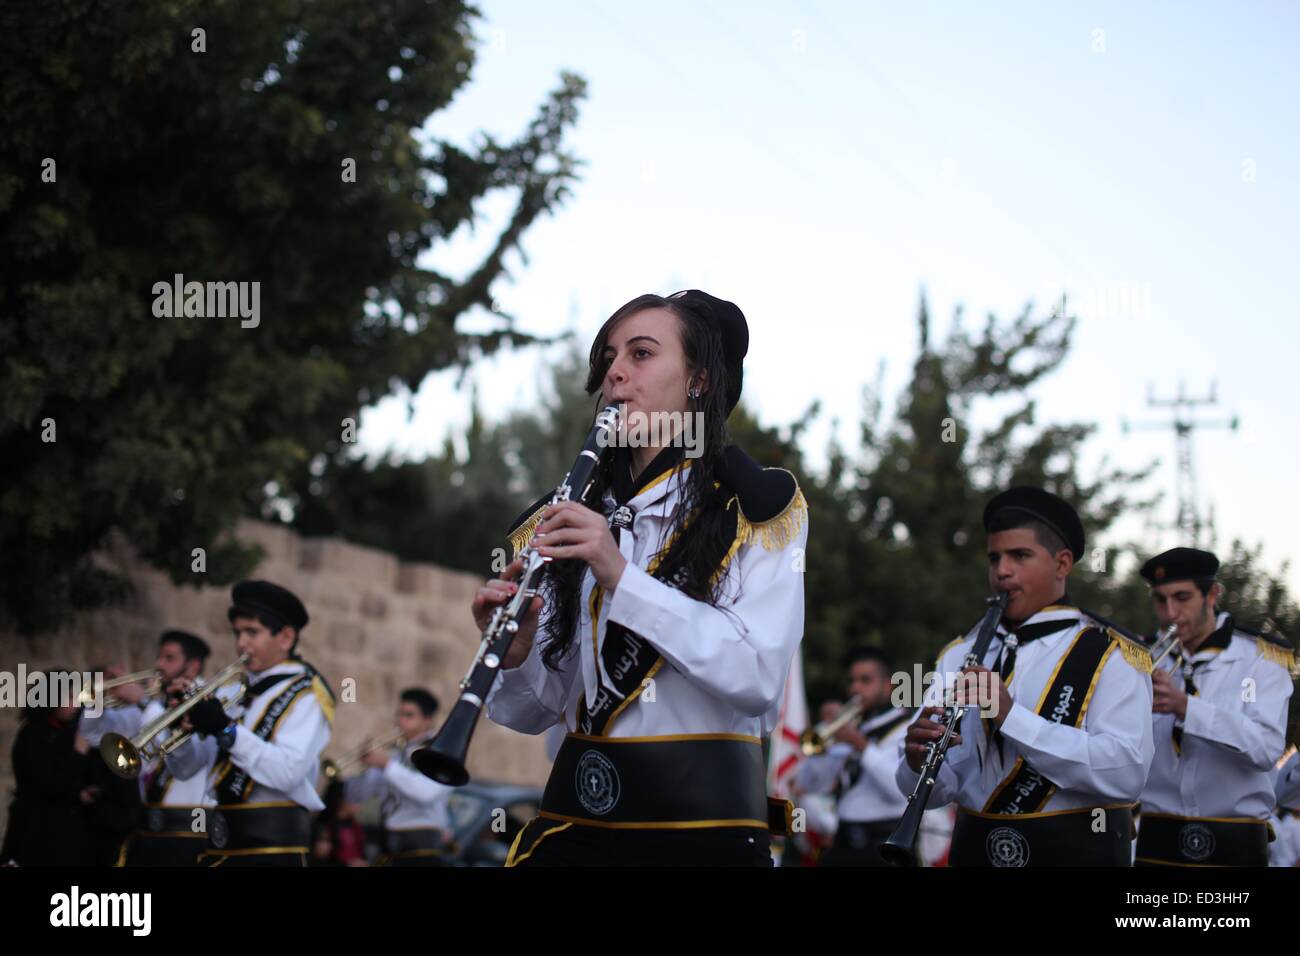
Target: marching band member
(1050, 778)
(169, 836)
(414, 807)
(859, 766)
(674, 605)
(1220, 713)
(264, 763)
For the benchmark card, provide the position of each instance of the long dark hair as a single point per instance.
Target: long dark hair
(692, 561)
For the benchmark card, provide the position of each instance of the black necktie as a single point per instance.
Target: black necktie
(1219, 640)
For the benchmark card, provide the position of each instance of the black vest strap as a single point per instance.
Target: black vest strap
(1064, 701)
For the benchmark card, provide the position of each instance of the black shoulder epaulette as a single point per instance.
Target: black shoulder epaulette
(1271, 636)
(521, 529)
(1273, 646)
(1135, 648)
(772, 508)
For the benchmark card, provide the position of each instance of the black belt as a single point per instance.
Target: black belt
(705, 780)
(173, 820)
(415, 840)
(235, 828)
(1165, 839)
(1066, 838)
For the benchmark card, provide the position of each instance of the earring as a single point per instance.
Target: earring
(693, 393)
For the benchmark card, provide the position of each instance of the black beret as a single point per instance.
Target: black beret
(731, 324)
(268, 598)
(1043, 506)
(1181, 564)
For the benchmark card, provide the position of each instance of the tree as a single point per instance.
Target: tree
(276, 144)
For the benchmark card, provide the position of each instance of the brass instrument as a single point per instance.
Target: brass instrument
(88, 694)
(815, 740)
(331, 769)
(126, 756)
(1163, 644)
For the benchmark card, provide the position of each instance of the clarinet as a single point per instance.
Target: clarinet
(444, 758)
(899, 849)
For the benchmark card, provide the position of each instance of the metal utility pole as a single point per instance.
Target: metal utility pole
(1183, 424)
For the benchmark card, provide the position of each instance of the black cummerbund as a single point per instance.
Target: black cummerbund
(1055, 838)
(259, 826)
(674, 782)
(1201, 841)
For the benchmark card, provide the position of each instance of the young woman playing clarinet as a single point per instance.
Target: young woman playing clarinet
(669, 615)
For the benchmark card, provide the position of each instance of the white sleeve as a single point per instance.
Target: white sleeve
(531, 698)
(293, 755)
(412, 784)
(817, 774)
(196, 755)
(1111, 754)
(739, 651)
(1255, 727)
(364, 786)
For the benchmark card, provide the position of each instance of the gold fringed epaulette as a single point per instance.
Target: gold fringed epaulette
(1279, 655)
(1138, 657)
(519, 537)
(775, 533)
(324, 698)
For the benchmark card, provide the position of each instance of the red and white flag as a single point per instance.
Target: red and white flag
(783, 749)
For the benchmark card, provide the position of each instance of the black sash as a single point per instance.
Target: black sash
(234, 783)
(709, 780)
(1164, 839)
(1064, 701)
(629, 659)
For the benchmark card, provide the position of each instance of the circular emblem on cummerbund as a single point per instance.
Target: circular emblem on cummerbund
(155, 820)
(1195, 841)
(1007, 847)
(597, 783)
(218, 831)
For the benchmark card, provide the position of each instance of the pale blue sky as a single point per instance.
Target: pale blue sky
(818, 163)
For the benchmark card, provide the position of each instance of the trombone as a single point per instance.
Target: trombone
(815, 740)
(126, 756)
(331, 769)
(88, 694)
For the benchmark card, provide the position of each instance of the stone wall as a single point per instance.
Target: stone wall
(383, 624)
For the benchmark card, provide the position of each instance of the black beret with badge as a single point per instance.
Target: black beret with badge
(1181, 564)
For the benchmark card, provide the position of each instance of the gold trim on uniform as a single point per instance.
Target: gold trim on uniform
(775, 533)
(654, 825)
(1279, 655)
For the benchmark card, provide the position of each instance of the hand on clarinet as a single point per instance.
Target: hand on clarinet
(922, 732)
(498, 591)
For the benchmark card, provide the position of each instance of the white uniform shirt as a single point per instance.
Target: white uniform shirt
(1285, 850)
(1233, 735)
(126, 721)
(1103, 762)
(725, 667)
(408, 799)
(191, 790)
(283, 768)
(875, 795)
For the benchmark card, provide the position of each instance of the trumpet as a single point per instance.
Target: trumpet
(444, 758)
(88, 694)
(1165, 642)
(126, 756)
(899, 849)
(331, 769)
(815, 740)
